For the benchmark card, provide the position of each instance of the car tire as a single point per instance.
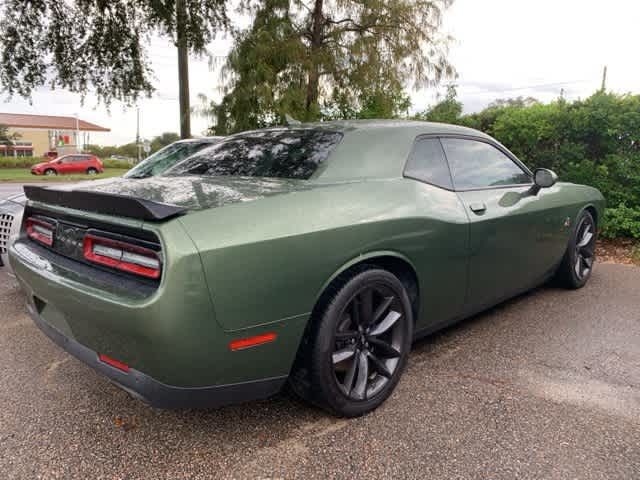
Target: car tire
(579, 258)
(92, 171)
(357, 343)
(50, 171)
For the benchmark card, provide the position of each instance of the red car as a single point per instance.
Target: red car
(75, 163)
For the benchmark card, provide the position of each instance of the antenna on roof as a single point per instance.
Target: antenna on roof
(291, 121)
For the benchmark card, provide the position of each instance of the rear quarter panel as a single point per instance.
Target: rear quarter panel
(270, 259)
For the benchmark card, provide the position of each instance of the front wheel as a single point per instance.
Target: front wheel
(578, 260)
(50, 171)
(358, 346)
(92, 171)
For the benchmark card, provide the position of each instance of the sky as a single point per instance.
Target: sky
(501, 49)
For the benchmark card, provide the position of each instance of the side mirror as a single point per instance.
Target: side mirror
(543, 178)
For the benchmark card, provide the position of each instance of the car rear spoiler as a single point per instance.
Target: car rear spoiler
(106, 203)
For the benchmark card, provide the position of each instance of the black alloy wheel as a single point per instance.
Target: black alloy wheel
(357, 345)
(585, 248)
(577, 264)
(368, 342)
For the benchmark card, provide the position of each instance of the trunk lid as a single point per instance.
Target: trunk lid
(185, 192)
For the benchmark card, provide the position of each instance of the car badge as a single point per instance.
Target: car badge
(567, 222)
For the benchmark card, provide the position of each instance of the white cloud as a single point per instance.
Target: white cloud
(501, 46)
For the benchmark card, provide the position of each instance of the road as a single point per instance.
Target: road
(544, 386)
(11, 188)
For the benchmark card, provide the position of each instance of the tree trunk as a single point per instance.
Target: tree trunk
(313, 84)
(183, 69)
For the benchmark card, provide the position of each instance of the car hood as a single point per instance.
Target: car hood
(192, 192)
(39, 165)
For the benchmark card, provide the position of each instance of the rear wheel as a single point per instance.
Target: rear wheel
(577, 264)
(91, 171)
(358, 345)
(50, 171)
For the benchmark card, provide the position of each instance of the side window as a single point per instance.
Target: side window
(428, 164)
(476, 164)
(67, 159)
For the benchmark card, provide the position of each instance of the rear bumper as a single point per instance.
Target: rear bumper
(10, 221)
(154, 392)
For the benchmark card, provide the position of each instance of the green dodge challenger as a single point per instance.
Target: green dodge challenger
(312, 254)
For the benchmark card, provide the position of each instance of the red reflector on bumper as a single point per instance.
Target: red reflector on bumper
(252, 341)
(114, 363)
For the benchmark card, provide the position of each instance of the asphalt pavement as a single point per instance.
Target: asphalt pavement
(545, 386)
(11, 188)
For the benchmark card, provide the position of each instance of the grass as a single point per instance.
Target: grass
(23, 175)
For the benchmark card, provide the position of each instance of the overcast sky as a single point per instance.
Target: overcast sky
(502, 48)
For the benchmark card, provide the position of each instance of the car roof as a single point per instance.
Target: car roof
(200, 140)
(370, 149)
(418, 126)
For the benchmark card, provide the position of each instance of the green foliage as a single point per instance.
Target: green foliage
(96, 45)
(19, 162)
(5, 137)
(129, 150)
(621, 221)
(346, 59)
(110, 163)
(448, 110)
(28, 162)
(371, 103)
(24, 175)
(163, 140)
(595, 141)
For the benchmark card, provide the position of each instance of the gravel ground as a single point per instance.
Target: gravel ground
(544, 386)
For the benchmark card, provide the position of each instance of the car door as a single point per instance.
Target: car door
(65, 164)
(443, 260)
(79, 164)
(508, 224)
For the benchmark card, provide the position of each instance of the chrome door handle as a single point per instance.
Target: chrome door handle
(479, 207)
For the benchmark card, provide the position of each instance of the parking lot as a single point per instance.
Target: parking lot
(544, 386)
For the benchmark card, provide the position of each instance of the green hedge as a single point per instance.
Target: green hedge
(19, 162)
(595, 141)
(116, 164)
(28, 162)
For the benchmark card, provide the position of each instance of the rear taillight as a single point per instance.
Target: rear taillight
(40, 231)
(122, 256)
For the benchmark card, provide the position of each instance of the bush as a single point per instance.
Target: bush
(595, 141)
(110, 163)
(28, 162)
(621, 221)
(19, 162)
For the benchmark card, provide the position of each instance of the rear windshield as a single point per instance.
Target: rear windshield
(272, 153)
(165, 158)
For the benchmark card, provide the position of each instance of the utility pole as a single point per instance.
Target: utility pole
(78, 150)
(603, 88)
(183, 68)
(138, 135)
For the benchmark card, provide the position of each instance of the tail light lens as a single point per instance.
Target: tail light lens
(122, 256)
(40, 231)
